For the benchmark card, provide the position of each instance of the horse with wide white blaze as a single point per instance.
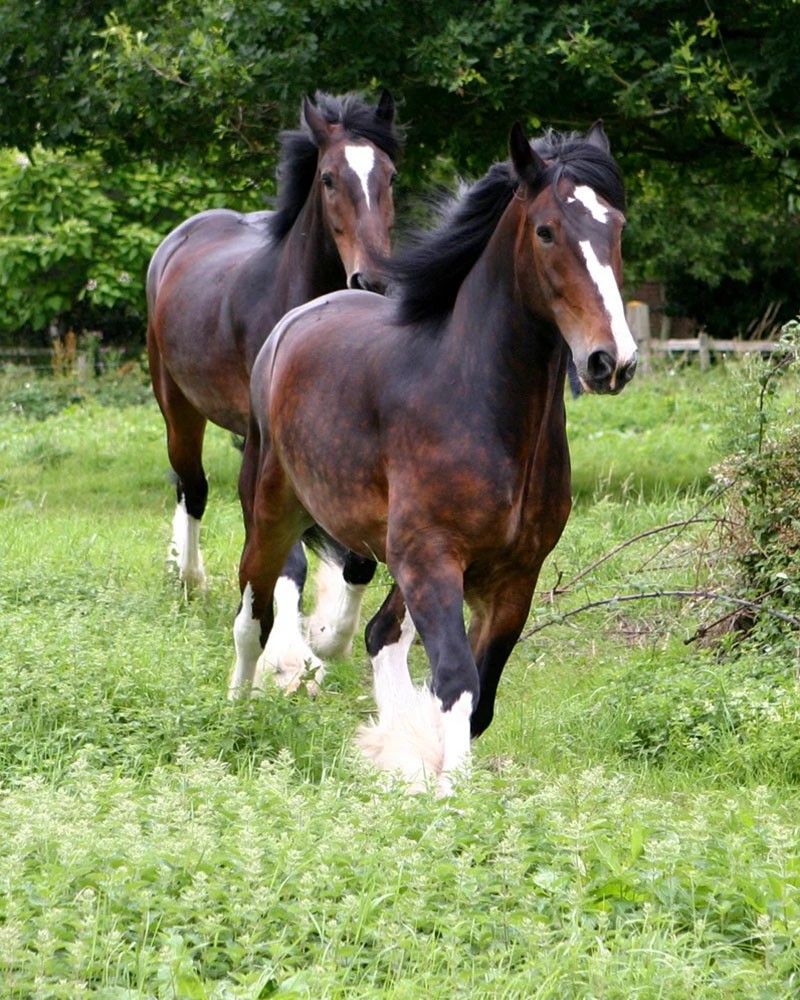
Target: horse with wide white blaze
(216, 286)
(447, 458)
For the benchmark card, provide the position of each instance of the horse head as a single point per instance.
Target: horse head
(570, 260)
(355, 175)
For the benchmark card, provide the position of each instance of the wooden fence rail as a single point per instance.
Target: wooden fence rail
(638, 315)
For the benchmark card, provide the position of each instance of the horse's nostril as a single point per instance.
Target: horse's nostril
(628, 371)
(357, 280)
(600, 366)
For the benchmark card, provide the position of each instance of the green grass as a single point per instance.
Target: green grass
(630, 828)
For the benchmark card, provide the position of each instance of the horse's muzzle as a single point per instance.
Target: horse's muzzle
(604, 376)
(367, 282)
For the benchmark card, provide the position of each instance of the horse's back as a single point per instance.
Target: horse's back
(346, 310)
(223, 229)
(206, 312)
(333, 331)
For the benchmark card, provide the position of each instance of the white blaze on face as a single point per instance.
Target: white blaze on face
(361, 160)
(603, 277)
(588, 198)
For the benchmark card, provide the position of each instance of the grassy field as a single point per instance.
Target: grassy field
(630, 830)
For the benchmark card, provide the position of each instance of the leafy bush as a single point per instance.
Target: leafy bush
(760, 531)
(738, 715)
(78, 236)
(738, 710)
(72, 377)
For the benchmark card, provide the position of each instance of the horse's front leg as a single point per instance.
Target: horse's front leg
(438, 613)
(402, 738)
(497, 621)
(432, 727)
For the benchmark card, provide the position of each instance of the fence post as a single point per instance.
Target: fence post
(638, 317)
(705, 351)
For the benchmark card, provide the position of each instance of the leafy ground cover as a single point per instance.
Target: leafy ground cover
(630, 828)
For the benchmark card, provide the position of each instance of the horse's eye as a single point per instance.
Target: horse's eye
(393, 178)
(545, 234)
(327, 180)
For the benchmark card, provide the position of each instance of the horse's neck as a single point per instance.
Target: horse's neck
(497, 337)
(518, 367)
(309, 260)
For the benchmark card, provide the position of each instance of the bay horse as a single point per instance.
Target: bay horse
(219, 282)
(448, 456)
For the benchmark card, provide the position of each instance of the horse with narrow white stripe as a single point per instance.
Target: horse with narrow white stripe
(219, 282)
(449, 461)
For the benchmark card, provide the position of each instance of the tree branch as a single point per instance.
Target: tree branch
(707, 595)
(696, 519)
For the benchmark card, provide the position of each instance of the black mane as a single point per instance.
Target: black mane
(298, 159)
(428, 273)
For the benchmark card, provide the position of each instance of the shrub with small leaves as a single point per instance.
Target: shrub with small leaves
(759, 483)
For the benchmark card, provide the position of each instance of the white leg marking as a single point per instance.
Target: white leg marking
(412, 746)
(335, 619)
(456, 734)
(184, 549)
(394, 693)
(603, 277)
(361, 160)
(246, 633)
(412, 736)
(287, 656)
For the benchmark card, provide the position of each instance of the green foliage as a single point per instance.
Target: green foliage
(630, 828)
(645, 442)
(738, 713)
(761, 487)
(78, 236)
(722, 261)
(696, 98)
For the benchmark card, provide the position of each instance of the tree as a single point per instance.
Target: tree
(697, 96)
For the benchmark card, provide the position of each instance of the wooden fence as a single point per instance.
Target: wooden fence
(638, 316)
(637, 313)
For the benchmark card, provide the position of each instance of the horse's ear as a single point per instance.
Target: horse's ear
(527, 162)
(315, 121)
(385, 108)
(596, 136)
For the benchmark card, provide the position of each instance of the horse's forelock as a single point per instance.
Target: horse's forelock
(571, 156)
(361, 121)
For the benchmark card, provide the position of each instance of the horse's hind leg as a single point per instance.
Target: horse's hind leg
(287, 656)
(272, 566)
(342, 581)
(185, 433)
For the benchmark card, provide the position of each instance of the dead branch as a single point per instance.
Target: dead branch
(706, 595)
(695, 519)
